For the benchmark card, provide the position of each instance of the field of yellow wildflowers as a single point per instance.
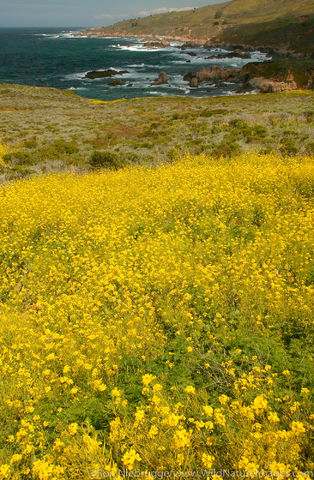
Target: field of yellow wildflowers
(157, 319)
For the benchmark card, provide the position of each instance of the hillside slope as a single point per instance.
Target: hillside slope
(48, 130)
(212, 22)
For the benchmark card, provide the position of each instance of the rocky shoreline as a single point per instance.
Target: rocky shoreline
(276, 74)
(164, 42)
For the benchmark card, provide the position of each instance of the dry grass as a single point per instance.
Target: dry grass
(58, 127)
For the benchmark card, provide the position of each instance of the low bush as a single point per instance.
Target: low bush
(288, 147)
(108, 159)
(18, 158)
(226, 149)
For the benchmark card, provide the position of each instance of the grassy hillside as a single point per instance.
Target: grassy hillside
(157, 319)
(46, 130)
(286, 32)
(213, 21)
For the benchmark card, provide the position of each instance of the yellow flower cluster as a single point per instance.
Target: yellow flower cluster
(154, 319)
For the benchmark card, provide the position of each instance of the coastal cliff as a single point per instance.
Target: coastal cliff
(279, 23)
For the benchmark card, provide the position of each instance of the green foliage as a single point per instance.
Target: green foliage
(30, 143)
(227, 149)
(62, 135)
(63, 147)
(109, 160)
(18, 158)
(241, 129)
(288, 147)
(310, 148)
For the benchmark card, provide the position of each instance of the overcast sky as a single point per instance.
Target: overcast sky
(79, 13)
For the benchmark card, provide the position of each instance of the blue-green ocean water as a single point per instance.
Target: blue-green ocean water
(58, 58)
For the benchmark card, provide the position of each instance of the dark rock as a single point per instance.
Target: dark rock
(116, 82)
(162, 79)
(235, 54)
(104, 73)
(227, 46)
(188, 76)
(157, 44)
(192, 54)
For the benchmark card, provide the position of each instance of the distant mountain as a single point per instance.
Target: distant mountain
(283, 23)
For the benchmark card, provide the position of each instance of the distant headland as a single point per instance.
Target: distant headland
(281, 24)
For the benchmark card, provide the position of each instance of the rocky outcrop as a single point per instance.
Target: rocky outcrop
(104, 73)
(265, 85)
(162, 79)
(279, 76)
(116, 82)
(265, 77)
(212, 74)
(157, 44)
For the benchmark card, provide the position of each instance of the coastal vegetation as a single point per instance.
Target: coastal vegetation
(158, 319)
(284, 24)
(46, 130)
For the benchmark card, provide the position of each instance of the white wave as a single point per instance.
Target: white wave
(141, 48)
(259, 56)
(137, 65)
(159, 94)
(47, 35)
(77, 88)
(176, 44)
(76, 76)
(60, 35)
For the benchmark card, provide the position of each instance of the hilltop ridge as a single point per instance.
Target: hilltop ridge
(281, 23)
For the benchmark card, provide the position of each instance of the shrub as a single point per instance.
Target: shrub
(18, 158)
(310, 148)
(172, 154)
(31, 143)
(65, 147)
(226, 149)
(107, 159)
(288, 147)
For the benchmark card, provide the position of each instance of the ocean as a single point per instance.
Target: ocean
(57, 57)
